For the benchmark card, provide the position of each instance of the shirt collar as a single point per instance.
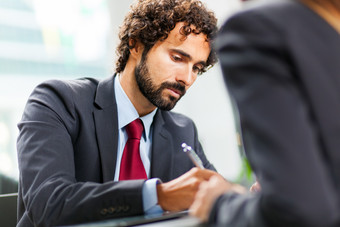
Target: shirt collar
(128, 113)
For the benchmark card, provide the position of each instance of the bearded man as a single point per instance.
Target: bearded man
(91, 150)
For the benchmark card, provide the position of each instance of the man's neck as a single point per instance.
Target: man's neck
(327, 11)
(130, 87)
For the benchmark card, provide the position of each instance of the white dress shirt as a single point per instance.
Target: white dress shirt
(126, 114)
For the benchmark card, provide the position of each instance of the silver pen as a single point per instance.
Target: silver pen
(192, 155)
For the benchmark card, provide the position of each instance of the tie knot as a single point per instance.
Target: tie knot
(135, 129)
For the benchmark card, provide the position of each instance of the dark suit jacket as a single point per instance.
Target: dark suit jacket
(281, 63)
(67, 150)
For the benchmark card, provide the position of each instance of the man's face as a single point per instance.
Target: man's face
(171, 67)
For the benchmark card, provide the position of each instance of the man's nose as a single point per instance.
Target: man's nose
(186, 77)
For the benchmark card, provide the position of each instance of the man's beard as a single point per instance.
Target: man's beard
(154, 93)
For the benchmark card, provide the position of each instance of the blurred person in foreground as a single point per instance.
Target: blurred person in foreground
(281, 63)
(74, 141)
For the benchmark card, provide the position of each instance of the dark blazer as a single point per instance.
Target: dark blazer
(67, 150)
(281, 64)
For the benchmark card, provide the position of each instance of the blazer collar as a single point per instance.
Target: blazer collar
(161, 153)
(106, 124)
(105, 95)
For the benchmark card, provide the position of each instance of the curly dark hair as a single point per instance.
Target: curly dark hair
(150, 21)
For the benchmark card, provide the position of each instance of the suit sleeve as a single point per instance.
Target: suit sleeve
(278, 129)
(50, 193)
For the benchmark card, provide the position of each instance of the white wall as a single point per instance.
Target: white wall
(207, 103)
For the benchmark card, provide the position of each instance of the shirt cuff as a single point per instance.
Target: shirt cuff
(150, 199)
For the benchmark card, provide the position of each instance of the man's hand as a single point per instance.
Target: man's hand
(208, 192)
(178, 194)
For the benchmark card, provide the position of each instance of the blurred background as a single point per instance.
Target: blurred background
(48, 39)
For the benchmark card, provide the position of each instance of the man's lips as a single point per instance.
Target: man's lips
(175, 92)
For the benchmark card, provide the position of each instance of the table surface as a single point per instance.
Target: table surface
(187, 221)
(167, 220)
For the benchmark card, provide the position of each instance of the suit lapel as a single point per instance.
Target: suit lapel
(161, 153)
(106, 123)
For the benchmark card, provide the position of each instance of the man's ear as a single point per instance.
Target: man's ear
(136, 48)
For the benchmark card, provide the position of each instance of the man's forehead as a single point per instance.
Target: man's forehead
(179, 32)
(176, 38)
(194, 45)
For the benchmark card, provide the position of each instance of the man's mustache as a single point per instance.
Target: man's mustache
(178, 87)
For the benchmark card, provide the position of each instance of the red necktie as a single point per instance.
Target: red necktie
(131, 165)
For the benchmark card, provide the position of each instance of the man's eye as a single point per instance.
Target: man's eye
(176, 58)
(197, 69)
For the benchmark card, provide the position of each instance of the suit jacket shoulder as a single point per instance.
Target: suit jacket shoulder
(63, 134)
(279, 63)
